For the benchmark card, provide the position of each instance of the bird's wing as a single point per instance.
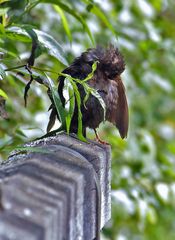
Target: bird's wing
(52, 119)
(78, 69)
(122, 116)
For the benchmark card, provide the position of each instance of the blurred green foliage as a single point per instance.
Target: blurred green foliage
(143, 166)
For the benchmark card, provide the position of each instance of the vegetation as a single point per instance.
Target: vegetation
(143, 166)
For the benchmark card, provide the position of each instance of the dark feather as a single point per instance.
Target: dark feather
(52, 119)
(106, 81)
(122, 118)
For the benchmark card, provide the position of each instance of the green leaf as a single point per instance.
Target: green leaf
(78, 101)
(25, 33)
(86, 97)
(20, 133)
(98, 12)
(64, 21)
(36, 46)
(95, 9)
(52, 46)
(2, 30)
(8, 54)
(72, 12)
(16, 11)
(57, 102)
(17, 34)
(31, 32)
(3, 11)
(90, 90)
(70, 102)
(31, 5)
(151, 215)
(101, 101)
(3, 94)
(95, 93)
(91, 74)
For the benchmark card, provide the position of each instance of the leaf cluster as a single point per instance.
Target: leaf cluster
(15, 27)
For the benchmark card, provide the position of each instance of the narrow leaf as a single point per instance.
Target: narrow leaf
(88, 89)
(2, 30)
(17, 34)
(78, 101)
(7, 54)
(71, 104)
(101, 101)
(86, 97)
(49, 44)
(3, 94)
(72, 12)
(64, 21)
(35, 45)
(52, 46)
(96, 10)
(99, 13)
(91, 74)
(57, 102)
(95, 93)
(31, 5)
(20, 133)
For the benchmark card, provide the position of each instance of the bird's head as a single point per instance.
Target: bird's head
(112, 62)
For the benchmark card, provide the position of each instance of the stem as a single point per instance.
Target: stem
(9, 69)
(36, 68)
(44, 70)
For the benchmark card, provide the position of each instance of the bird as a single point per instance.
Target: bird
(107, 81)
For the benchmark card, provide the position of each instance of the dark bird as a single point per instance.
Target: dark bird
(107, 81)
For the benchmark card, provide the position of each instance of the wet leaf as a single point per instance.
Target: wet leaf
(52, 47)
(64, 21)
(47, 42)
(72, 12)
(78, 101)
(57, 102)
(92, 7)
(71, 104)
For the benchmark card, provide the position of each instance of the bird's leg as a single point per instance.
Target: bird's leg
(98, 138)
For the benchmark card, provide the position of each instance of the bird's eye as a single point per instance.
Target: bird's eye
(110, 71)
(111, 75)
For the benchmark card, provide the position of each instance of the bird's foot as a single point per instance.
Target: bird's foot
(98, 138)
(102, 142)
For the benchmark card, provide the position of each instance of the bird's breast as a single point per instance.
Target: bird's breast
(108, 90)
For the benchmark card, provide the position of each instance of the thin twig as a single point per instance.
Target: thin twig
(44, 70)
(13, 68)
(27, 87)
